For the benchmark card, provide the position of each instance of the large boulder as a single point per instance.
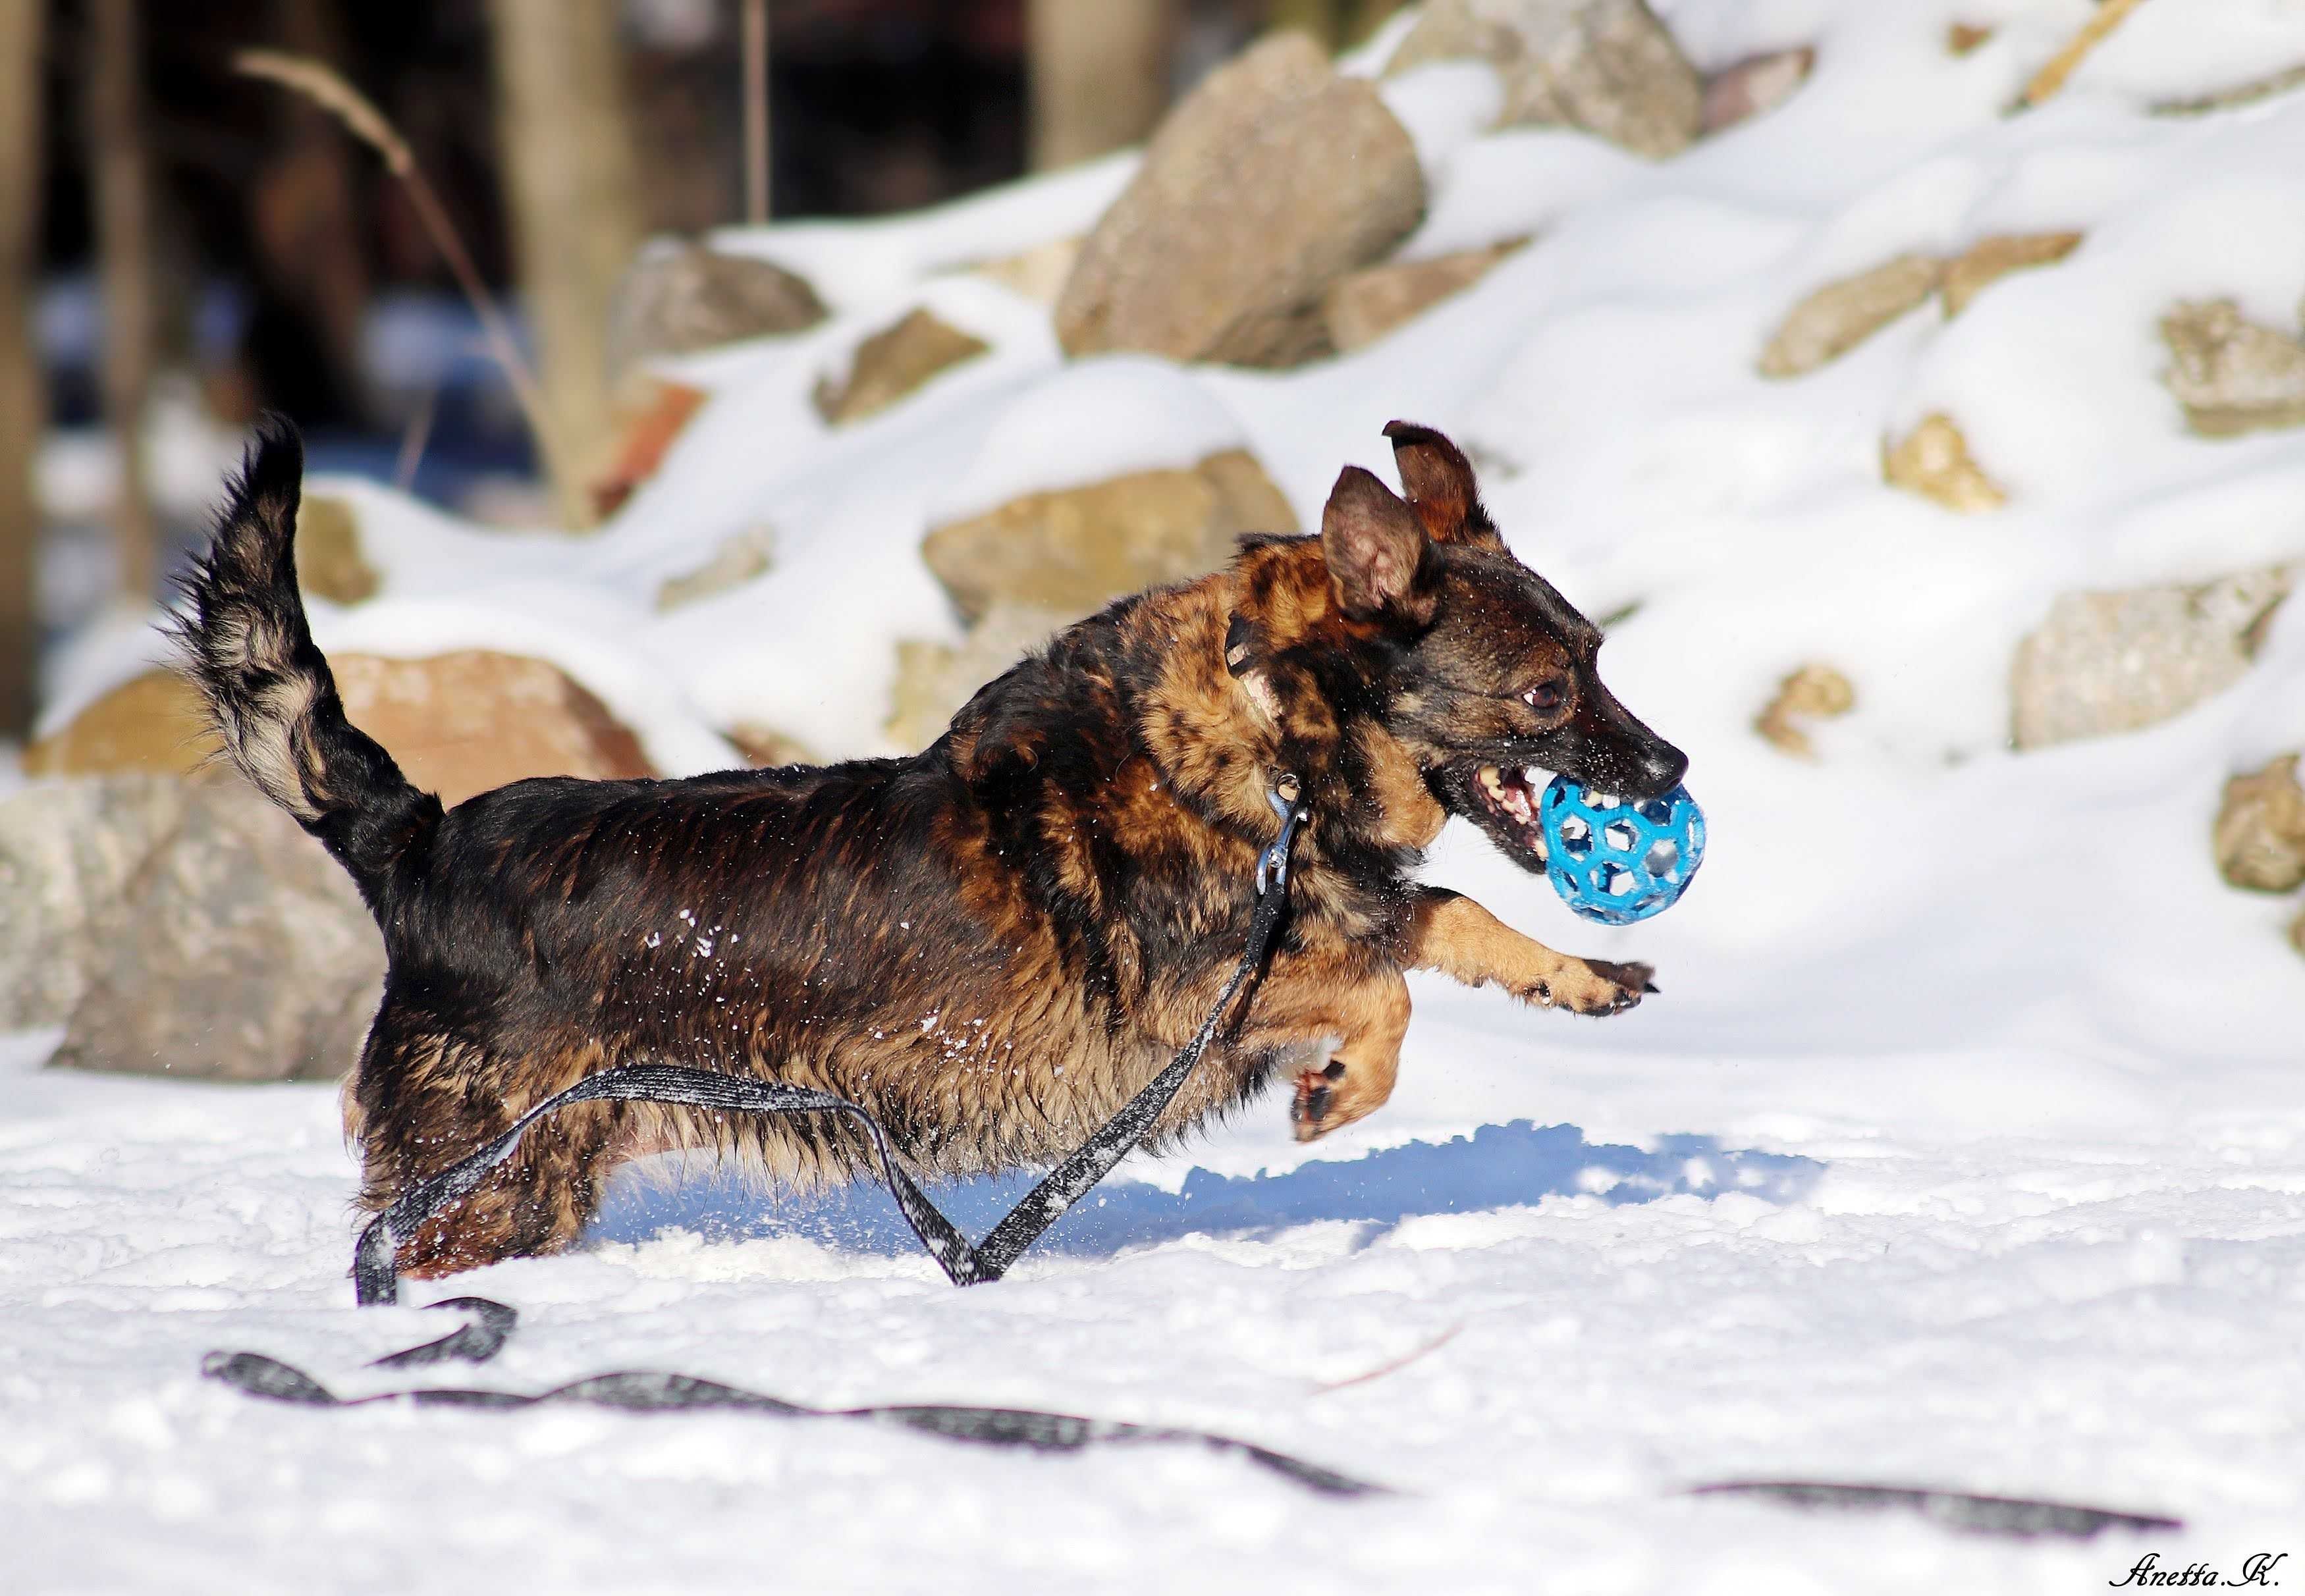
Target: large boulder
(2119, 661)
(1829, 321)
(1075, 549)
(458, 724)
(1273, 178)
(2259, 835)
(2230, 374)
(184, 928)
(1607, 66)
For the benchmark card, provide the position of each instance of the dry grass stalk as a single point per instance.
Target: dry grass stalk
(2109, 15)
(321, 84)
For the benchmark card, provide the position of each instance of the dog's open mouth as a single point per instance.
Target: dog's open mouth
(1501, 800)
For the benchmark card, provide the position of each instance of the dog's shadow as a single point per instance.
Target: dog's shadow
(1497, 1167)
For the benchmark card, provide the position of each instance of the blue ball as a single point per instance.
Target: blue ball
(1615, 861)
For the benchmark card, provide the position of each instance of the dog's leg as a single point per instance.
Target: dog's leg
(1358, 1011)
(1453, 934)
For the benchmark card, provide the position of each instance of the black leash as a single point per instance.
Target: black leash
(645, 1392)
(376, 1275)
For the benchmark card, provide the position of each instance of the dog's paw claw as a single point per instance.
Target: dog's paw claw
(1597, 988)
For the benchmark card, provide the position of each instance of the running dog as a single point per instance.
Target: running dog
(992, 945)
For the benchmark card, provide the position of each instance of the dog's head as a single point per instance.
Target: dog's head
(1493, 677)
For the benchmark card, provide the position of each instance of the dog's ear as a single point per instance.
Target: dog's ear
(1375, 548)
(1439, 480)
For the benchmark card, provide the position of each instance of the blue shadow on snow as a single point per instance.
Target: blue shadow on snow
(1497, 1167)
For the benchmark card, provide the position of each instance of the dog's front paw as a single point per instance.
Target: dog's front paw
(1592, 987)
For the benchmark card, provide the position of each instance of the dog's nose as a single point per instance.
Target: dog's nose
(1661, 768)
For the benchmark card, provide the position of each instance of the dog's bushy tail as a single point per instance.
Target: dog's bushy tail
(246, 645)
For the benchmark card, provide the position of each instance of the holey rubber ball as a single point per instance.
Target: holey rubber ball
(1616, 859)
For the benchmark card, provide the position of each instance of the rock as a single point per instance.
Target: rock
(1607, 66)
(65, 847)
(1835, 318)
(1075, 549)
(1363, 306)
(2109, 662)
(152, 722)
(679, 298)
(1273, 178)
(234, 949)
(934, 679)
(1814, 692)
(766, 748)
(2297, 933)
(473, 720)
(650, 417)
(1989, 259)
(1934, 462)
(2230, 374)
(458, 724)
(1754, 85)
(1963, 37)
(740, 557)
(892, 363)
(2259, 835)
(329, 559)
(2234, 96)
(1038, 273)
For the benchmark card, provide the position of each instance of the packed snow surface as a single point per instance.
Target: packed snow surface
(1964, 1146)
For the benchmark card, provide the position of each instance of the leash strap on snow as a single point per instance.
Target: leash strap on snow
(647, 1392)
(376, 1277)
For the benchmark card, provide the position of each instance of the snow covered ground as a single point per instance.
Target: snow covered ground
(1965, 1145)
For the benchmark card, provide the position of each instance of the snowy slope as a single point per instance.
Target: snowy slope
(1965, 1145)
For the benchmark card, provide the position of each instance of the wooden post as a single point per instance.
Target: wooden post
(755, 46)
(122, 179)
(1100, 75)
(22, 406)
(574, 187)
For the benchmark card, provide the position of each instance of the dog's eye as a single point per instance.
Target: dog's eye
(1546, 697)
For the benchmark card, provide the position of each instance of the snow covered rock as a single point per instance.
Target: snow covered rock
(458, 724)
(1039, 272)
(1273, 178)
(154, 721)
(2260, 830)
(738, 558)
(466, 722)
(233, 947)
(1835, 318)
(650, 413)
(329, 558)
(65, 847)
(1933, 459)
(1364, 305)
(679, 298)
(2118, 661)
(1075, 549)
(1756, 84)
(934, 679)
(1815, 691)
(893, 363)
(2230, 374)
(1989, 259)
(1607, 66)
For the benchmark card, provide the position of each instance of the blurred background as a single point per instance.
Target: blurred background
(185, 245)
